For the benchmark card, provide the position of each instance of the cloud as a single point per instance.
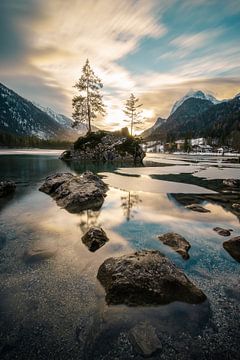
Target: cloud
(44, 44)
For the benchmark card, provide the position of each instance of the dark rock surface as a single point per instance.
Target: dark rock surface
(222, 232)
(104, 146)
(95, 238)
(177, 243)
(144, 339)
(75, 193)
(146, 277)
(198, 208)
(232, 246)
(7, 187)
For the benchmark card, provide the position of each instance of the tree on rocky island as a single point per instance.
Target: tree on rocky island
(89, 102)
(131, 110)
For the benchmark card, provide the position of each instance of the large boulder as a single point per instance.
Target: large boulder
(177, 243)
(232, 246)
(75, 193)
(105, 146)
(146, 278)
(95, 238)
(7, 187)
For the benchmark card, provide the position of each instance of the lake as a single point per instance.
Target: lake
(56, 309)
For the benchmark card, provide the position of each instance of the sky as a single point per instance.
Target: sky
(156, 49)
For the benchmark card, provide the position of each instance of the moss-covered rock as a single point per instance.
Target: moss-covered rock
(105, 146)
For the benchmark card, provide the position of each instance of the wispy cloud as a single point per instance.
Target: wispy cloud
(47, 43)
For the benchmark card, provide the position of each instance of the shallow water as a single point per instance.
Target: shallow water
(56, 309)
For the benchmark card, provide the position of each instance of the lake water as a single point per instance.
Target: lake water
(56, 309)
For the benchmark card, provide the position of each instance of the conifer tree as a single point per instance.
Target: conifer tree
(89, 102)
(131, 110)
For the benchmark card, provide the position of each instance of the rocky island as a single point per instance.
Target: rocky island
(106, 146)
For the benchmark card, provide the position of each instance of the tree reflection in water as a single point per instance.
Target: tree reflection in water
(129, 202)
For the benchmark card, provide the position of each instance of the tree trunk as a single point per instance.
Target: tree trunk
(132, 124)
(88, 113)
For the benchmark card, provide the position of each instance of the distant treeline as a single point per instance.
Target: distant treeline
(10, 140)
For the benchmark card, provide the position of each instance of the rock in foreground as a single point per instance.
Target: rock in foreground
(75, 193)
(146, 278)
(7, 187)
(198, 208)
(105, 146)
(232, 246)
(177, 243)
(145, 340)
(222, 232)
(95, 238)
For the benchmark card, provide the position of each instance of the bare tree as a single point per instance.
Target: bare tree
(89, 102)
(131, 110)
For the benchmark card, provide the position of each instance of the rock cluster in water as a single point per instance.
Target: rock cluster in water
(7, 187)
(75, 193)
(146, 277)
(177, 243)
(104, 146)
(95, 238)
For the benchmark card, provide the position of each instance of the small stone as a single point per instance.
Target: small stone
(232, 246)
(231, 182)
(95, 238)
(236, 206)
(198, 208)
(7, 187)
(144, 339)
(222, 232)
(177, 243)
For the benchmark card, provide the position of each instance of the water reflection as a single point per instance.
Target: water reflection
(42, 305)
(129, 203)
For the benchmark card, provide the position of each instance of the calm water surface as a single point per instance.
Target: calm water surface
(56, 309)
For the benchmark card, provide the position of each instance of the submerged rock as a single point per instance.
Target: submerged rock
(75, 193)
(236, 206)
(146, 277)
(233, 183)
(95, 238)
(232, 246)
(144, 339)
(7, 187)
(177, 243)
(198, 208)
(222, 232)
(105, 146)
(40, 251)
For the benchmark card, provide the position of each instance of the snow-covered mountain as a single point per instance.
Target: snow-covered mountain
(20, 116)
(62, 119)
(197, 94)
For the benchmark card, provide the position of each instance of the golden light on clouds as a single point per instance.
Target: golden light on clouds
(135, 46)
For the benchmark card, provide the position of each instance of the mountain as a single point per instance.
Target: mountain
(197, 117)
(21, 117)
(151, 130)
(196, 94)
